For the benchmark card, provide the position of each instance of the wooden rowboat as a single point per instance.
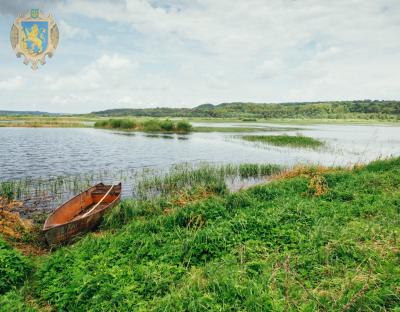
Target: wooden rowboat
(82, 213)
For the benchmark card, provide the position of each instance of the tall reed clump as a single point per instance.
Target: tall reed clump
(185, 176)
(7, 190)
(149, 125)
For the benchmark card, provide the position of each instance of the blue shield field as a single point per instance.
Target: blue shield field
(35, 36)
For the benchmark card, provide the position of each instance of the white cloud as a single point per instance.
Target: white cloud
(11, 83)
(271, 68)
(71, 31)
(114, 62)
(126, 100)
(216, 51)
(104, 39)
(103, 73)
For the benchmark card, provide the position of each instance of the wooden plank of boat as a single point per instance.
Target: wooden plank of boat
(81, 213)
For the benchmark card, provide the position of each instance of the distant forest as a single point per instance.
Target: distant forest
(383, 110)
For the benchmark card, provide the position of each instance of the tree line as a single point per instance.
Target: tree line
(366, 109)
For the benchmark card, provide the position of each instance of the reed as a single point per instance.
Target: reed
(40, 194)
(147, 125)
(285, 140)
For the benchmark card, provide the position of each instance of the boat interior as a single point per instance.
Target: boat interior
(88, 202)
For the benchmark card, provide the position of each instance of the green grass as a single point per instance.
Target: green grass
(285, 140)
(147, 125)
(275, 247)
(14, 301)
(14, 268)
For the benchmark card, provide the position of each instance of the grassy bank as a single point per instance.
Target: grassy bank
(149, 125)
(315, 239)
(44, 122)
(285, 140)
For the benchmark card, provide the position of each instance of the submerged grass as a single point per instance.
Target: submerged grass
(285, 140)
(275, 247)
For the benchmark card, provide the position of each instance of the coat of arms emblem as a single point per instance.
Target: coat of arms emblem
(34, 36)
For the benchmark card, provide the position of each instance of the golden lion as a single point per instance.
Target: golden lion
(35, 38)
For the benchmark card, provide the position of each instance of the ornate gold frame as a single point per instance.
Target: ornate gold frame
(52, 43)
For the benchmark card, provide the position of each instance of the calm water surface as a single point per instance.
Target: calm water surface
(46, 152)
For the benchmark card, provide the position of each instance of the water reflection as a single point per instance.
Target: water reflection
(157, 135)
(47, 152)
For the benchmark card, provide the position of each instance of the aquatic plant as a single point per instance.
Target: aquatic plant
(148, 125)
(285, 140)
(7, 190)
(43, 194)
(186, 176)
(183, 126)
(167, 125)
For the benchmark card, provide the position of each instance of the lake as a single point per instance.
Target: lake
(50, 152)
(45, 152)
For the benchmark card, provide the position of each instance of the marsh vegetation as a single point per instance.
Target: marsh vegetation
(285, 140)
(41, 194)
(307, 238)
(149, 125)
(315, 238)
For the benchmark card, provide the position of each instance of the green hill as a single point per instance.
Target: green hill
(318, 240)
(384, 110)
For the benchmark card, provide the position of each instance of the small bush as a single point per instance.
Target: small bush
(167, 125)
(183, 126)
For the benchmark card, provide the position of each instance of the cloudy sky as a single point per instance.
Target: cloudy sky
(182, 53)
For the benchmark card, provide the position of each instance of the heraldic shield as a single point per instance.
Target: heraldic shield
(34, 36)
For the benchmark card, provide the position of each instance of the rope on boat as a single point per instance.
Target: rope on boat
(95, 206)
